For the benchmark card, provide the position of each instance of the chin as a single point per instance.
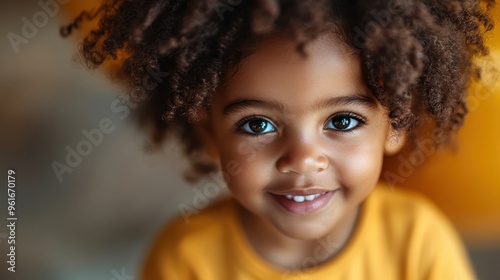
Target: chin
(308, 231)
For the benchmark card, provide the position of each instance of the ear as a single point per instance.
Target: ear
(204, 130)
(395, 141)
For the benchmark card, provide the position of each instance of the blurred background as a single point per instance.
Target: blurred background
(93, 216)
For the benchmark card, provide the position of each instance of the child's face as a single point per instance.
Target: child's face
(306, 127)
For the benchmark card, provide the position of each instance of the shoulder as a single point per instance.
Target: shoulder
(403, 205)
(407, 221)
(187, 246)
(424, 236)
(198, 226)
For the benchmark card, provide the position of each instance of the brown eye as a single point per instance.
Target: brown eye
(342, 123)
(257, 126)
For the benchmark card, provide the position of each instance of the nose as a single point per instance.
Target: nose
(302, 158)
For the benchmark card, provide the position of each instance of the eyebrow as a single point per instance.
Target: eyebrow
(344, 100)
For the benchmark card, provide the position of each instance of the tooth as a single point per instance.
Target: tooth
(316, 195)
(289, 196)
(298, 198)
(310, 197)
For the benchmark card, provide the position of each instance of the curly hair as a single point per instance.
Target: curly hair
(418, 56)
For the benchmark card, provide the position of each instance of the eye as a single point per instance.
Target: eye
(256, 126)
(343, 122)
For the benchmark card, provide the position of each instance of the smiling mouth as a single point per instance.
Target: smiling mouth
(303, 203)
(301, 198)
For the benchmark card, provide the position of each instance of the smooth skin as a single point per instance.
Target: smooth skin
(286, 123)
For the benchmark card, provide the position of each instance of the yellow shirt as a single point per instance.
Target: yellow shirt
(399, 235)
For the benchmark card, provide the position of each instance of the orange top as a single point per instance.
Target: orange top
(399, 235)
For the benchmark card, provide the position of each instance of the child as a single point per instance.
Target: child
(297, 102)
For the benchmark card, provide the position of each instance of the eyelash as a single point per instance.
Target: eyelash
(361, 121)
(246, 119)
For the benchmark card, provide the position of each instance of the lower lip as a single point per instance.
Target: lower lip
(305, 207)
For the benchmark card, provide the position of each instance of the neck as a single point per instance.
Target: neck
(289, 253)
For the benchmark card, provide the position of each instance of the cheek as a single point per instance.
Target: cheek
(247, 168)
(359, 166)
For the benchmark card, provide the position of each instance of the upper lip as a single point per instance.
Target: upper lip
(302, 191)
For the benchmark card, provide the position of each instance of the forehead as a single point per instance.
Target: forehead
(276, 69)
